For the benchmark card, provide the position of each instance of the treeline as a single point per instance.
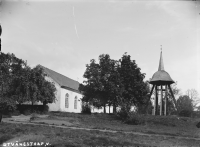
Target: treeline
(20, 83)
(117, 83)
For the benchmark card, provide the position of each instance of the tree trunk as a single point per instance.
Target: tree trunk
(44, 103)
(114, 109)
(104, 108)
(19, 107)
(32, 107)
(44, 106)
(1, 116)
(109, 108)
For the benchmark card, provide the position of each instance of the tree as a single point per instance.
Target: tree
(10, 69)
(111, 82)
(99, 87)
(194, 96)
(19, 83)
(147, 106)
(37, 88)
(184, 103)
(31, 86)
(134, 88)
(171, 105)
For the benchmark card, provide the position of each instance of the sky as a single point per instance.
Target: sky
(65, 35)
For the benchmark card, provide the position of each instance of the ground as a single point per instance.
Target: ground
(70, 129)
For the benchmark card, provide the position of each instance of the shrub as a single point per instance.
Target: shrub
(15, 113)
(45, 109)
(27, 112)
(162, 120)
(86, 109)
(28, 109)
(195, 114)
(123, 114)
(135, 119)
(33, 116)
(185, 113)
(174, 113)
(141, 119)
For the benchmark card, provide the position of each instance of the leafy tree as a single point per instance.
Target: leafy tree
(99, 87)
(47, 89)
(134, 88)
(184, 103)
(147, 106)
(19, 83)
(194, 96)
(19, 86)
(10, 69)
(171, 106)
(36, 87)
(111, 82)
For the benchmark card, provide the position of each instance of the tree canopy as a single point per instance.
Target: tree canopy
(194, 96)
(19, 83)
(113, 82)
(184, 103)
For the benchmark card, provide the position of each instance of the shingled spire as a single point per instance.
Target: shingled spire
(161, 64)
(161, 81)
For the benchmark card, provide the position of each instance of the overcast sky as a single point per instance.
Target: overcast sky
(65, 35)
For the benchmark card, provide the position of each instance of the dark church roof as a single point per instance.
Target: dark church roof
(62, 80)
(161, 76)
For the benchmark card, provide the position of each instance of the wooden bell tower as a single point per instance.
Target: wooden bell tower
(161, 82)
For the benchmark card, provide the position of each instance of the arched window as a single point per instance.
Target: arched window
(75, 102)
(67, 100)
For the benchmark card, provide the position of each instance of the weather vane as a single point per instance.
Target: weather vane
(161, 48)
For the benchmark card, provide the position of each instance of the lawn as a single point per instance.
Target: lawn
(170, 125)
(58, 137)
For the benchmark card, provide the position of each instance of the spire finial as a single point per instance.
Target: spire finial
(161, 65)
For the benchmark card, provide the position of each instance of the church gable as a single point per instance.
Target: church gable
(67, 94)
(62, 80)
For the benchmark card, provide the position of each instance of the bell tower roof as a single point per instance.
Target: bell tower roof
(161, 77)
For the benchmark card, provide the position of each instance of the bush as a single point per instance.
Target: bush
(45, 109)
(86, 109)
(141, 119)
(27, 112)
(15, 113)
(132, 118)
(123, 114)
(185, 113)
(135, 119)
(162, 120)
(174, 113)
(28, 109)
(195, 114)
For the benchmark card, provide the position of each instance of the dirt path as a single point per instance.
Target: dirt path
(110, 131)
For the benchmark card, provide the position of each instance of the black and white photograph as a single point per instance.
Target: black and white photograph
(102, 73)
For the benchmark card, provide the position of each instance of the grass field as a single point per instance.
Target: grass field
(59, 137)
(170, 125)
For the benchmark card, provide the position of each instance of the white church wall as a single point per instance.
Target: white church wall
(71, 101)
(101, 110)
(54, 106)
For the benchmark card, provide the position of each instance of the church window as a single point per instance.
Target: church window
(75, 102)
(67, 100)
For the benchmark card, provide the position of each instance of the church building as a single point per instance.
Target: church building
(68, 97)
